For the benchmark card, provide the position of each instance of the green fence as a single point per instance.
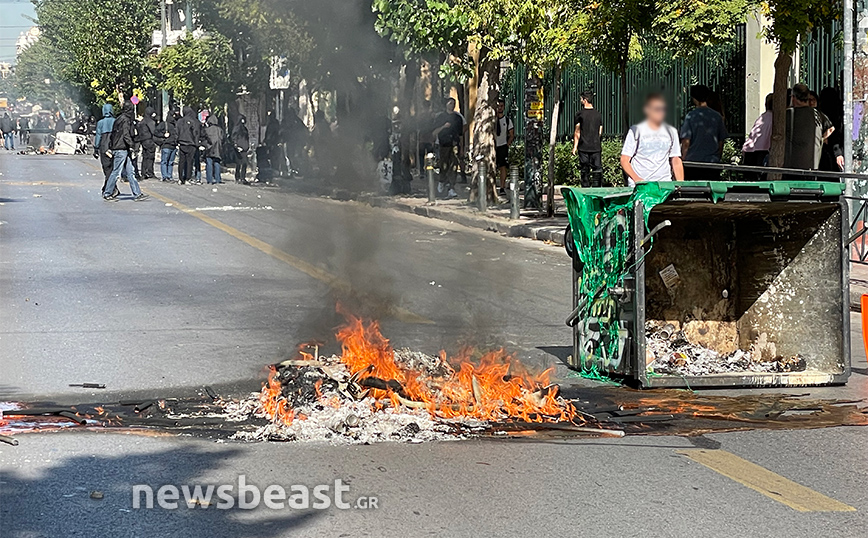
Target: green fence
(721, 68)
(821, 59)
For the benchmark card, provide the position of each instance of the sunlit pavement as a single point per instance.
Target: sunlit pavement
(166, 296)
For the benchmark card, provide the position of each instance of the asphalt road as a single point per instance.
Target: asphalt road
(165, 296)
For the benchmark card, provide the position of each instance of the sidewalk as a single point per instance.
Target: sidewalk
(531, 223)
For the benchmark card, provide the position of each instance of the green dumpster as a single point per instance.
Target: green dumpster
(690, 284)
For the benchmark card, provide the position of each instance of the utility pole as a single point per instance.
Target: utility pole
(188, 16)
(848, 94)
(163, 39)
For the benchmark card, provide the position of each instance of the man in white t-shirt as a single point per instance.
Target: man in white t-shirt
(652, 149)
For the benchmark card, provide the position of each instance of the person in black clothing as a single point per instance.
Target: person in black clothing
(586, 142)
(121, 144)
(189, 135)
(146, 137)
(212, 139)
(166, 135)
(830, 104)
(450, 128)
(24, 130)
(504, 136)
(241, 142)
(79, 126)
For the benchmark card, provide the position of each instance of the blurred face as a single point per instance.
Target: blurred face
(499, 108)
(450, 106)
(655, 110)
(812, 101)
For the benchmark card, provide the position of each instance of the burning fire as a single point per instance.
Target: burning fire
(495, 387)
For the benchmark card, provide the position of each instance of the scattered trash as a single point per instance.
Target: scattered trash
(674, 354)
(9, 440)
(88, 385)
(98, 495)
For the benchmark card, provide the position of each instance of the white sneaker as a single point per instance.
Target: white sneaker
(452, 194)
(440, 188)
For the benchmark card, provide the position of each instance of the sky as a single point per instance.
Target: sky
(13, 21)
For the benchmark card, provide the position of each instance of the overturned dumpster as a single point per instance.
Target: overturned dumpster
(695, 284)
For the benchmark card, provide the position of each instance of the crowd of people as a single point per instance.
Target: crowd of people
(655, 151)
(129, 146)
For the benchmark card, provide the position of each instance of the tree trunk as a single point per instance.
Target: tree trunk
(779, 109)
(553, 140)
(483, 121)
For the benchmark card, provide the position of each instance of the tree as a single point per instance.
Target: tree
(618, 31)
(103, 44)
(38, 76)
(198, 70)
(789, 22)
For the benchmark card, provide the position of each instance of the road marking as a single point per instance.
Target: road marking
(761, 480)
(401, 314)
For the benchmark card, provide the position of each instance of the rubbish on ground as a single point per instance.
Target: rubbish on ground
(88, 385)
(673, 353)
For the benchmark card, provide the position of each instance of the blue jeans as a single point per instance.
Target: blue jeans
(121, 159)
(167, 162)
(9, 140)
(212, 170)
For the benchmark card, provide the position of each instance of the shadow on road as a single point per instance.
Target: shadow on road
(59, 500)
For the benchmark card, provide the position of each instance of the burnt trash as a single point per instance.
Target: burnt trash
(694, 284)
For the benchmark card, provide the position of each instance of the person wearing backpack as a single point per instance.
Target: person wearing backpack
(652, 149)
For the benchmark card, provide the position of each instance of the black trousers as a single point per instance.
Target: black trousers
(240, 165)
(148, 149)
(700, 174)
(185, 162)
(591, 166)
(107, 163)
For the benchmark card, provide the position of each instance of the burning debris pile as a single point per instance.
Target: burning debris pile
(671, 351)
(373, 393)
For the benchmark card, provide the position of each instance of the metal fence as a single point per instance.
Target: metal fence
(722, 68)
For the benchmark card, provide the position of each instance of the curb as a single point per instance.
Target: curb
(552, 234)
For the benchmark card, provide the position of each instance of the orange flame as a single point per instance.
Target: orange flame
(496, 387)
(273, 403)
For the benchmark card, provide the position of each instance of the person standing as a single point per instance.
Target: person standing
(833, 150)
(189, 134)
(146, 137)
(448, 134)
(241, 141)
(101, 143)
(120, 145)
(213, 143)
(755, 150)
(587, 142)
(702, 136)
(24, 130)
(167, 135)
(807, 131)
(7, 126)
(504, 136)
(651, 151)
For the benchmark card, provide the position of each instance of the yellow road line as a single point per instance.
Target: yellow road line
(761, 480)
(329, 279)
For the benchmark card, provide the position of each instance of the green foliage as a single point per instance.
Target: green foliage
(792, 20)
(611, 158)
(99, 45)
(257, 31)
(618, 31)
(198, 70)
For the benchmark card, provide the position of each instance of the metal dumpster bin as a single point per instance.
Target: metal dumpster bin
(711, 284)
